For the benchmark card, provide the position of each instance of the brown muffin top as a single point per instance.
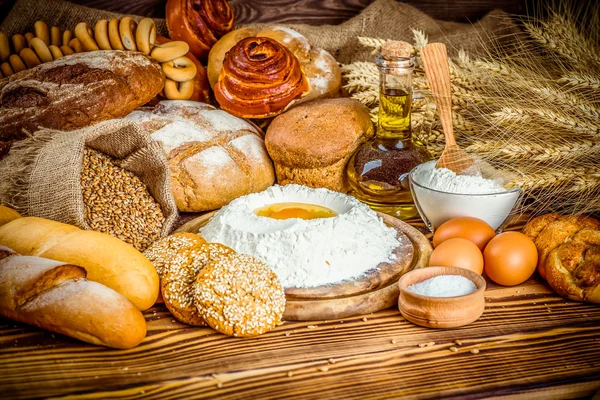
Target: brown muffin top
(318, 133)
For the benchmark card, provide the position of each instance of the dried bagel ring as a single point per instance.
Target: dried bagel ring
(29, 57)
(55, 51)
(28, 37)
(55, 36)
(41, 50)
(114, 36)
(19, 42)
(178, 91)
(145, 35)
(40, 28)
(84, 33)
(67, 36)
(6, 69)
(181, 69)
(75, 44)
(101, 35)
(16, 63)
(4, 47)
(66, 50)
(127, 28)
(169, 51)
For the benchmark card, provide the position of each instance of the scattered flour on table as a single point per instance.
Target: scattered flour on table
(306, 253)
(444, 286)
(445, 180)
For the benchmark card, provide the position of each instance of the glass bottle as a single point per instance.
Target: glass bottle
(378, 171)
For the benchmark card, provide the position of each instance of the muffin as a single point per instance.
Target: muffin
(310, 144)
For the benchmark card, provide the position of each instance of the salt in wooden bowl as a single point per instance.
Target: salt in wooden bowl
(440, 312)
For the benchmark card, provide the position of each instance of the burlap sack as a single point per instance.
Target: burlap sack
(41, 175)
(386, 19)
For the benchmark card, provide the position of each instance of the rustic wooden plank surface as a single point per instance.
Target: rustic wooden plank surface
(531, 343)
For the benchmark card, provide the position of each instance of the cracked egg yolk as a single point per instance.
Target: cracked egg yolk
(295, 210)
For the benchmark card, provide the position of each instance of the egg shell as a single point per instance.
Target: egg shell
(474, 229)
(510, 258)
(458, 252)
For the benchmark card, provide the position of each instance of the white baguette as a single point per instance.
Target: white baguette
(56, 296)
(106, 259)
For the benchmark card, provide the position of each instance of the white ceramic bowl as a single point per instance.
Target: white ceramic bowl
(437, 207)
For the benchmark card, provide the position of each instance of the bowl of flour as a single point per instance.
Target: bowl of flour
(440, 195)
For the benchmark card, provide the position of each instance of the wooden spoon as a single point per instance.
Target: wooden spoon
(435, 62)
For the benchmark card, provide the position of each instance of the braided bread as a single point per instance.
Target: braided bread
(126, 34)
(569, 254)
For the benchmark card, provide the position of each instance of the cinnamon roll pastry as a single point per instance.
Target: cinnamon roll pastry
(200, 23)
(259, 79)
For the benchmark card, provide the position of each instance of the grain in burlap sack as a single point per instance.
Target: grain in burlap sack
(386, 19)
(41, 176)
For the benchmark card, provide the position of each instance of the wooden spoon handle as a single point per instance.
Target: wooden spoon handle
(435, 63)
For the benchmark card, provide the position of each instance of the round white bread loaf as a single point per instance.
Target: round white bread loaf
(214, 156)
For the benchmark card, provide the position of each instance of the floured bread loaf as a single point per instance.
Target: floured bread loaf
(214, 157)
(76, 91)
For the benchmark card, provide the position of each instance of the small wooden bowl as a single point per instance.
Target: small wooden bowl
(440, 312)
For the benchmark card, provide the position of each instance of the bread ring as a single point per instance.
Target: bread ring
(66, 50)
(40, 28)
(29, 57)
(67, 36)
(75, 44)
(19, 43)
(55, 36)
(41, 50)
(6, 69)
(55, 51)
(181, 69)
(4, 47)
(145, 35)
(84, 33)
(16, 63)
(127, 28)
(114, 35)
(101, 35)
(28, 37)
(178, 91)
(169, 51)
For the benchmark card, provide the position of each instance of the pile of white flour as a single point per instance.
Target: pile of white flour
(445, 180)
(306, 253)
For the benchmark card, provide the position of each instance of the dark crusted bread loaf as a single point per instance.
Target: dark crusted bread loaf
(76, 91)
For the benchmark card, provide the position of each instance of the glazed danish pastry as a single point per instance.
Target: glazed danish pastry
(259, 79)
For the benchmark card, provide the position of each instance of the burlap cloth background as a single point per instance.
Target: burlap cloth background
(41, 175)
(385, 19)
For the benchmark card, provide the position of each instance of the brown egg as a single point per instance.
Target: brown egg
(458, 252)
(473, 229)
(510, 258)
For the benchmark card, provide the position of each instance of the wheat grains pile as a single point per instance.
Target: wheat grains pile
(531, 108)
(117, 202)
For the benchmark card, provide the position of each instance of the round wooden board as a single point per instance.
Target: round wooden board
(375, 290)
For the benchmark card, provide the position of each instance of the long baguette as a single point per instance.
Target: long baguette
(7, 215)
(106, 259)
(56, 296)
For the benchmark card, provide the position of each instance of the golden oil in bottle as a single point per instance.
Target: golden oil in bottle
(378, 171)
(394, 112)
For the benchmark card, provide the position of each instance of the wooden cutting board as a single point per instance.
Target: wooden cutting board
(376, 290)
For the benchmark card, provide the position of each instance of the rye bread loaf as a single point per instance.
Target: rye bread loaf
(76, 91)
(311, 144)
(214, 157)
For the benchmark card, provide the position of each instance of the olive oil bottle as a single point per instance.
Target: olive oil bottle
(378, 171)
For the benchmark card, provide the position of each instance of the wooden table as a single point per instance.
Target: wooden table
(531, 343)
